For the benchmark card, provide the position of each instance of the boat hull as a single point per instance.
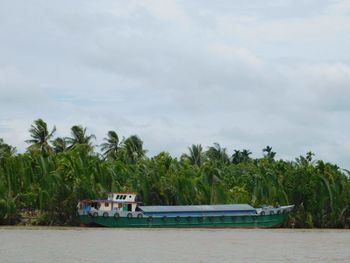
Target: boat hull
(248, 221)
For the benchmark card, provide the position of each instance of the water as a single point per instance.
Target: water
(172, 245)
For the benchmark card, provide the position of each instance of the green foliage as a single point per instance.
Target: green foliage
(111, 145)
(50, 182)
(40, 138)
(132, 149)
(80, 138)
(5, 149)
(59, 144)
(195, 156)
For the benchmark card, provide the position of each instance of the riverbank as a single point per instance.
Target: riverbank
(52, 182)
(78, 228)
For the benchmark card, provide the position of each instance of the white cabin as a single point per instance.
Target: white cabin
(123, 201)
(115, 202)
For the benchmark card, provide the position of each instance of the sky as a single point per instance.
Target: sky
(244, 74)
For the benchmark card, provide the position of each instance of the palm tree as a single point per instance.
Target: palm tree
(268, 153)
(79, 137)
(59, 144)
(40, 137)
(133, 147)
(6, 149)
(216, 153)
(236, 157)
(309, 156)
(246, 155)
(240, 156)
(196, 155)
(111, 147)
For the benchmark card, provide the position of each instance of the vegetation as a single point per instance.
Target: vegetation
(53, 174)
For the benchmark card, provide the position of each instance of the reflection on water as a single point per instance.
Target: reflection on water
(172, 245)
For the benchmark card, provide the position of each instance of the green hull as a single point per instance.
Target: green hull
(259, 221)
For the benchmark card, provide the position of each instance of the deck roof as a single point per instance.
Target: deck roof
(197, 208)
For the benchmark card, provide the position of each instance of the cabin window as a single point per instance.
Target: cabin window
(117, 197)
(129, 196)
(106, 204)
(129, 207)
(124, 197)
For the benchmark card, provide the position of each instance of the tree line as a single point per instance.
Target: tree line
(51, 176)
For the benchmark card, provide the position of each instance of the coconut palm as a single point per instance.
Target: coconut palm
(59, 144)
(40, 137)
(111, 145)
(133, 148)
(240, 156)
(6, 149)
(216, 153)
(196, 155)
(79, 137)
(309, 156)
(246, 155)
(268, 153)
(236, 157)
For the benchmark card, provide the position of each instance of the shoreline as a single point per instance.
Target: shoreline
(23, 227)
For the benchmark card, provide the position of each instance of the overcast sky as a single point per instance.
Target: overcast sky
(245, 74)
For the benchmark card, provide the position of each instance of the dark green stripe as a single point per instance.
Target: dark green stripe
(217, 221)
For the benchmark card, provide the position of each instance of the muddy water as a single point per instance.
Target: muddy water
(172, 245)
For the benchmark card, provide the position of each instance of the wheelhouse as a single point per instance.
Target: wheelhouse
(116, 201)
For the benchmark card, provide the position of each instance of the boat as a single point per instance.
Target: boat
(124, 210)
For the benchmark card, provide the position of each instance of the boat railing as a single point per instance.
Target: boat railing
(116, 213)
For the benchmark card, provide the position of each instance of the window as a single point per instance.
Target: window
(117, 197)
(106, 204)
(124, 197)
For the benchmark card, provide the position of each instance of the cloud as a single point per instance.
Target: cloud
(176, 73)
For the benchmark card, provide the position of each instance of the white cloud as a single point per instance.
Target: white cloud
(176, 73)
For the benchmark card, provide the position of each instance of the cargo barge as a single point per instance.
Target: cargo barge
(123, 210)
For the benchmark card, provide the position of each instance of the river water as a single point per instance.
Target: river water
(52, 244)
